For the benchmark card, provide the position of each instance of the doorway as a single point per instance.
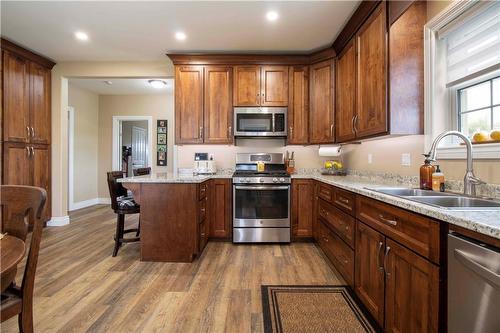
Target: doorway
(132, 142)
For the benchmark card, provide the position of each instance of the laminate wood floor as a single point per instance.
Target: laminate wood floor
(79, 287)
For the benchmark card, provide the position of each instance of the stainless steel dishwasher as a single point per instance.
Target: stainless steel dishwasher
(473, 286)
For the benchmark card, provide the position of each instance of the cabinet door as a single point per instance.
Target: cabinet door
(40, 173)
(369, 281)
(321, 126)
(189, 104)
(372, 75)
(302, 207)
(39, 103)
(412, 291)
(16, 98)
(222, 208)
(346, 94)
(16, 164)
(246, 90)
(298, 105)
(274, 86)
(218, 110)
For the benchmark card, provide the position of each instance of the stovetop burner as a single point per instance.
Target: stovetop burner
(261, 174)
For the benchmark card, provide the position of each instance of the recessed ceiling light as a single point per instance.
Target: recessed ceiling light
(108, 82)
(157, 84)
(80, 35)
(180, 35)
(272, 16)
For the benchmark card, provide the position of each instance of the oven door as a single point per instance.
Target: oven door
(261, 206)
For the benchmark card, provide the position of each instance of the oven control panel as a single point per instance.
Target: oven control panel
(261, 180)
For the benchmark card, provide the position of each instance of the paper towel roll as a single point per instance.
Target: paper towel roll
(330, 151)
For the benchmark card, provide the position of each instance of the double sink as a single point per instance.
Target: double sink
(443, 200)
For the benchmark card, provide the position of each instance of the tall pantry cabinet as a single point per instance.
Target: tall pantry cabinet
(26, 119)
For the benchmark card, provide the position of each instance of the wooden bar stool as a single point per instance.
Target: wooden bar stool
(122, 205)
(21, 204)
(142, 171)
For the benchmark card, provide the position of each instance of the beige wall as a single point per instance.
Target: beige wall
(60, 74)
(86, 106)
(157, 106)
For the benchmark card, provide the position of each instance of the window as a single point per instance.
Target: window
(479, 107)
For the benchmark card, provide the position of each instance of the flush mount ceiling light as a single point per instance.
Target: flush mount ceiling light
(80, 35)
(108, 82)
(157, 84)
(272, 16)
(180, 35)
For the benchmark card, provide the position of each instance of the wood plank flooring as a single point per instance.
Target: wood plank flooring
(79, 287)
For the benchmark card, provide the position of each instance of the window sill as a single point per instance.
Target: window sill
(489, 151)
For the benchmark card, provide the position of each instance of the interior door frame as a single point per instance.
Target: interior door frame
(71, 157)
(116, 162)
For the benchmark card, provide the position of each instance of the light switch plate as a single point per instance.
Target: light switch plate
(370, 158)
(405, 159)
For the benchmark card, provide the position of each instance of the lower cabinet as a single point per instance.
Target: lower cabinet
(220, 208)
(302, 208)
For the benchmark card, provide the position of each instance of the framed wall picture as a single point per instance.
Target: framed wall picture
(161, 142)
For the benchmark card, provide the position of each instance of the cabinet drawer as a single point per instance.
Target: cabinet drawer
(341, 223)
(325, 192)
(341, 255)
(345, 200)
(203, 209)
(416, 232)
(202, 190)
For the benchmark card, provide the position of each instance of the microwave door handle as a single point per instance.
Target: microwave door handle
(273, 123)
(256, 188)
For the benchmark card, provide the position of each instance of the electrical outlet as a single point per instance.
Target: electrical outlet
(405, 159)
(370, 158)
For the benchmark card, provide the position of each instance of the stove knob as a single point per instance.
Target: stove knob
(282, 180)
(275, 180)
(261, 180)
(247, 180)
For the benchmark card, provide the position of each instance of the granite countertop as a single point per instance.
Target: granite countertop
(484, 222)
(171, 177)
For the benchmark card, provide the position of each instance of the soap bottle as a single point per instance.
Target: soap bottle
(438, 180)
(426, 171)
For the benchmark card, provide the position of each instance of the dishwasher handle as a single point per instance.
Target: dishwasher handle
(477, 268)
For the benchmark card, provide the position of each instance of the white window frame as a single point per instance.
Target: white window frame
(436, 100)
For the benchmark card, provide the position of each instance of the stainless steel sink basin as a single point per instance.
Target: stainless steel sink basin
(450, 201)
(459, 203)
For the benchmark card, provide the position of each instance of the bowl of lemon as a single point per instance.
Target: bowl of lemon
(333, 168)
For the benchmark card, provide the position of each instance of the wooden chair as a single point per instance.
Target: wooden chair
(122, 204)
(142, 171)
(22, 204)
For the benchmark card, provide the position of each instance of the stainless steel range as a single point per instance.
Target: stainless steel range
(261, 199)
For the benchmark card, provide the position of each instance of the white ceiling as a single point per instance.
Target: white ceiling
(122, 86)
(144, 31)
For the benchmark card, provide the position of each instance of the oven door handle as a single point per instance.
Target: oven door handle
(257, 188)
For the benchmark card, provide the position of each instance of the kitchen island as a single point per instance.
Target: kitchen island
(176, 211)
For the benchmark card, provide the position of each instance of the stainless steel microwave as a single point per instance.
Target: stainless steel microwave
(260, 121)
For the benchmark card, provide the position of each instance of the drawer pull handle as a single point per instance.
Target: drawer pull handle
(380, 268)
(325, 239)
(391, 222)
(344, 201)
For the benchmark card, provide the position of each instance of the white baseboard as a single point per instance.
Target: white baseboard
(90, 202)
(58, 221)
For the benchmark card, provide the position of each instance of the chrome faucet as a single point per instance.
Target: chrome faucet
(470, 180)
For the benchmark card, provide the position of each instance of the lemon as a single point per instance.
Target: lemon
(337, 165)
(480, 136)
(495, 135)
(328, 164)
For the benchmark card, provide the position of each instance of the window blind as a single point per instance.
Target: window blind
(473, 45)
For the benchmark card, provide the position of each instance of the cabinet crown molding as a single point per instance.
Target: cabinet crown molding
(30, 55)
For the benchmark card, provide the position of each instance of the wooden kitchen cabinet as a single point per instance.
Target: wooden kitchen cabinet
(16, 164)
(221, 209)
(298, 105)
(412, 295)
(16, 99)
(369, 280)
(189, 104)
(40, 171)
(218, 105)
(321, 116)
(274, 86)
(346, 94)
(371, 42)
(302, 208)
(40, 118)
(246, 90)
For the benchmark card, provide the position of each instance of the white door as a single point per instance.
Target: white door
(139, 147)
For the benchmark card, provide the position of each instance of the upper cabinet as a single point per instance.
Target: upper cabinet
(345, 110)
(298, 105)
(39, 103)
(321, 116)
(260, 86)
(189, 104)
(218, 105)
(371, 80)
